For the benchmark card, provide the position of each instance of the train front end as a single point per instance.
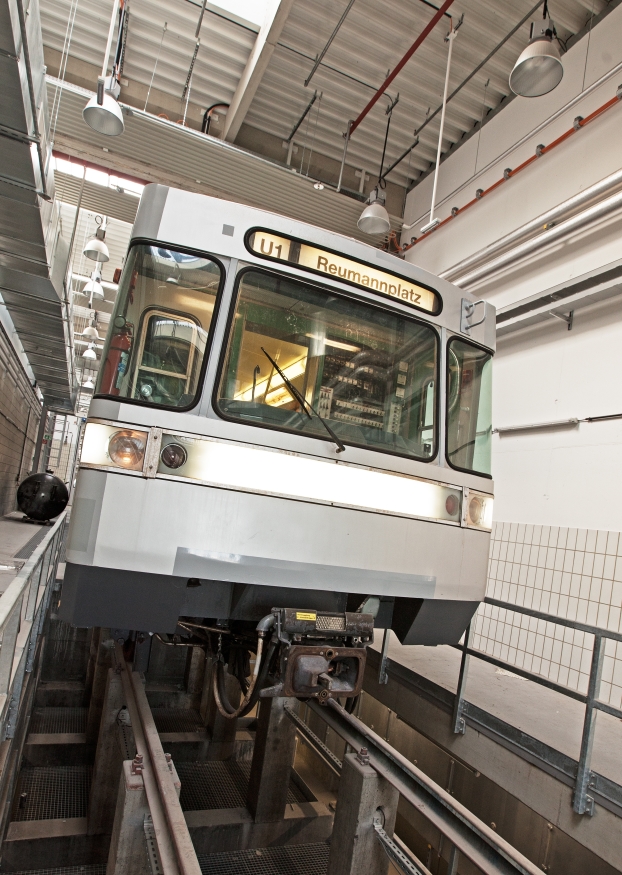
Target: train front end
(287, 424)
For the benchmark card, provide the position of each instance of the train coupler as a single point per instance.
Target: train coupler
(322, 655)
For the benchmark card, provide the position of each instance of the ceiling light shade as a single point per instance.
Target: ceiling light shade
(89, 352)
(88, 383)
(91, 332)
(374, 219)
(538, 69)
(105, 118)
(96, 250)
(94, 290)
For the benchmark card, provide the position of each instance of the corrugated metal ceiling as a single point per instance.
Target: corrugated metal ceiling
(168, 152)
(373, 38)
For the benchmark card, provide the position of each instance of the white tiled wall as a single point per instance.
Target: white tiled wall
(571, 573)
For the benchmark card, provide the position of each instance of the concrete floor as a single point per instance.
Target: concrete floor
(541, 713)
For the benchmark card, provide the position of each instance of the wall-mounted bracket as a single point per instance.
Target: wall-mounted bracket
(467, 312)
(568, 319)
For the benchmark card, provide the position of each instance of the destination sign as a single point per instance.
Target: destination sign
(268, 245)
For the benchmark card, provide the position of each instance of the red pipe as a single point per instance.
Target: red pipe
(581, 123)
(411, 51)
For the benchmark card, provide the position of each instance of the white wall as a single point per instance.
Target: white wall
(569, 477)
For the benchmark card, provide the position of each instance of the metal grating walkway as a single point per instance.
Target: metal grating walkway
(30, 545)
(93, 869)
(56, 720)
(287, 860)
(212, 785)
(52, 792)
(177, 720)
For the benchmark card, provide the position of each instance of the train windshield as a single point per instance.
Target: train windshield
(154, 352)
(469, 407)
(370, 373)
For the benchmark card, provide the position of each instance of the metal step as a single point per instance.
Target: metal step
(52, 792)
(57, 720)
(213, 785)
(285, 860)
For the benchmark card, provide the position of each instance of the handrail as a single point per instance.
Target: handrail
(23, 607)
(583, 802)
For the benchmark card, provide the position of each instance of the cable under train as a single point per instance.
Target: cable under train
(288, 444)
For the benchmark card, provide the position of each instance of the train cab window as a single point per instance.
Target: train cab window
(368, 372)
(155, 349)
(469, 407)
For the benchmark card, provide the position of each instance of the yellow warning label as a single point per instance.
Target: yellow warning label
(306, 615)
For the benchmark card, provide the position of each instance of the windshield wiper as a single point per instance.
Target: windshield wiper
(293, 391)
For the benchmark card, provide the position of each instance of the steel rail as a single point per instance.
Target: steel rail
(156, 809)
(179, 833)
(491, 854)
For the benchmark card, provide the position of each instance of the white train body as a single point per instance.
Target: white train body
(259, 507)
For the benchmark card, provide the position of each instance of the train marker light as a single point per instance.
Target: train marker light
(127, 449)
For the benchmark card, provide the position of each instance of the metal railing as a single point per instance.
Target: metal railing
(585, 779)
(23, 608)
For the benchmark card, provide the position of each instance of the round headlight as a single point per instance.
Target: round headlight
(452, 505)
(127, 448)
(475, 510)
(173, 456)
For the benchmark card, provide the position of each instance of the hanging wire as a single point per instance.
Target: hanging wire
(304, 147)
(62, 69)
(481, 122)
(155, 66)
(317, 116)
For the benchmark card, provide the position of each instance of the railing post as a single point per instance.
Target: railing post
(459, 724)
(582, 802)
(364, 798)
(383, 676)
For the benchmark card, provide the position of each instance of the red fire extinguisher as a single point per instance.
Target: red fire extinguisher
(116, 361)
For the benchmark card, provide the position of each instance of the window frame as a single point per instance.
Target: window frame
(467, 342)
(184, 250)
(344, 294)
(437, 295)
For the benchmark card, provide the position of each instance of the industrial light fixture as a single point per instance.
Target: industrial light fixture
(88, 383)
(96, 248)
(89, 352)
(94, 288)
(318, 186)
(374, 219)
(91, 332)
(538, 69)
(102, 112)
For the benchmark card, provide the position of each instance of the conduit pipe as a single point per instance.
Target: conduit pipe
(561, 211)
(598, 211)
(401, 64)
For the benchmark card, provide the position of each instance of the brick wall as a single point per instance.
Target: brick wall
(20, 411)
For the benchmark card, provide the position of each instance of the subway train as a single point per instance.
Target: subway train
(289, 428)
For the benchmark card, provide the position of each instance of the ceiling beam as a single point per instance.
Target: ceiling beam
(267, 38)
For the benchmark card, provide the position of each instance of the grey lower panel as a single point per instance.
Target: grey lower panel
(94, 596)
(431, 621)
(299, 575)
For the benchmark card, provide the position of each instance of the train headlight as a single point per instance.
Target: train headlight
(479, 510)
(127, 449)
(173, 456)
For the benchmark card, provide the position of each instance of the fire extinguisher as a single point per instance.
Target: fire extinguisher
(116, 361)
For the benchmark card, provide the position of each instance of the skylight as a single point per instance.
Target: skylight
(250, 10)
